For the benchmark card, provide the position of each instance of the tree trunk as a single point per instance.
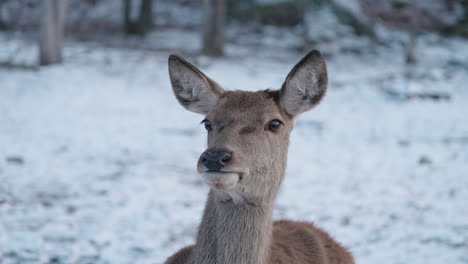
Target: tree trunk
(51, 31)
(3, 24)
(350, 13)
(213, 29)
(411, 49)
(146, 14)
(306, 41)
(141, 23)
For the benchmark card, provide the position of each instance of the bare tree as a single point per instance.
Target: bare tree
(3, 24)
(143, 21)
(213, 28)
(415, 17)
(52, 26)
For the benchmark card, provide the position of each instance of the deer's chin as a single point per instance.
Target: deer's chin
(221, 180)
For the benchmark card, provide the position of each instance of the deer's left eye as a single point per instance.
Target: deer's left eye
(275, 125)
(207, 124)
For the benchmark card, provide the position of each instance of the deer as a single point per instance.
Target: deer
(244, 166)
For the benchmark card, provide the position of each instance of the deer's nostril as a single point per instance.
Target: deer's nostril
(226, 158)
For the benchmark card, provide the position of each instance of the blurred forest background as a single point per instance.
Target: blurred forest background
(97, 159)
(225, 21)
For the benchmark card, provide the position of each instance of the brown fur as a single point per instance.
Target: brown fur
(237, 226)
(292, 242)
(302, 242)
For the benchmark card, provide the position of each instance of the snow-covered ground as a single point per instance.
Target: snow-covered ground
(97, 159)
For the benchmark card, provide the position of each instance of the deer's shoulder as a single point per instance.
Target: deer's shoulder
(181, 257)
(303, 242)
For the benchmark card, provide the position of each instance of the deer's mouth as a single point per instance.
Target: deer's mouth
(224, 180)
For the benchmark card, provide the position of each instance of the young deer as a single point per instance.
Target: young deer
(248, 138)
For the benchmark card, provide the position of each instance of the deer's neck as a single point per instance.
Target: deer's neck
(234, 234)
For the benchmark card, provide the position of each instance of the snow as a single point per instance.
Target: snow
(97, 159)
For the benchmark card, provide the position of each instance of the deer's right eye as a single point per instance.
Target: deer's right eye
(207, 124)
(274, 125)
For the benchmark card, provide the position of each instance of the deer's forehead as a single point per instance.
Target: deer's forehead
(251, 107)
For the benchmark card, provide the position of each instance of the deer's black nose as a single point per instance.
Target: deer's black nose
(215, 161)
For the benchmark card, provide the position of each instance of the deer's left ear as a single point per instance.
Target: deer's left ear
(305, 85)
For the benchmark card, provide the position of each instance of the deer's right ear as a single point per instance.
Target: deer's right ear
(193, 89)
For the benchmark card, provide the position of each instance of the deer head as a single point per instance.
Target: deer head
(248, 132)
